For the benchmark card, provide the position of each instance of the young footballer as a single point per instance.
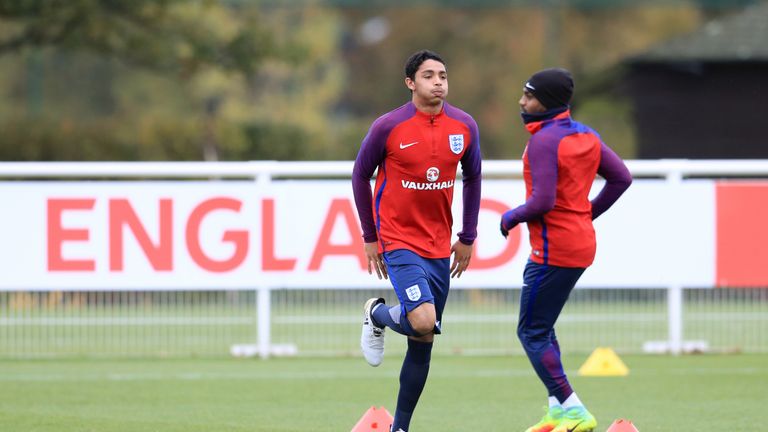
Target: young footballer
(407, 220)
(560, 163)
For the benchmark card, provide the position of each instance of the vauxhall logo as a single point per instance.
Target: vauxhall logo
(433, 173)
(407, 184)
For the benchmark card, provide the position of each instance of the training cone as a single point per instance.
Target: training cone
(603, 362)
(622, 425)
(374, 420)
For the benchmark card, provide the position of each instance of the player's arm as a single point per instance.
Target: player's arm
(542, 160)
(617, 180)
(371, 154)
(471, 175)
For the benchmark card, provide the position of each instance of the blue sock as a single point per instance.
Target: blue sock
(413, 376)
(389, 317)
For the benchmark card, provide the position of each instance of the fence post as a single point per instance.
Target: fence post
(675, 316)
(263, 178)
(674, 178)
(264, 320)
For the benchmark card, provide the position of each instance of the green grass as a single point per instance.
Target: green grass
(712, 392)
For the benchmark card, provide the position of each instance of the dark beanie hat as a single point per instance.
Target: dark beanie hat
(552, 87)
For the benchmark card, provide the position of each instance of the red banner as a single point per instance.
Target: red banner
(742, 234)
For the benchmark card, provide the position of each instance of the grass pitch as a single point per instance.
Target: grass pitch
(712, 392)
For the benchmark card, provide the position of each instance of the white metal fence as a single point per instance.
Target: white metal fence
(325, 321)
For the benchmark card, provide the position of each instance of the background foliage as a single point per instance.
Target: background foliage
(236, 80)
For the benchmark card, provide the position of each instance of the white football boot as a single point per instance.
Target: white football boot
(372, 337)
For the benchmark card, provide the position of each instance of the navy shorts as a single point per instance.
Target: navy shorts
(419, 280)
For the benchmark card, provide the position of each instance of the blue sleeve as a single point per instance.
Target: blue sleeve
(471, 173)
(542, 160)
(372, 153)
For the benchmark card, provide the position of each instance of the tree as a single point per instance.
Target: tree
(166, 35)
(183, 43)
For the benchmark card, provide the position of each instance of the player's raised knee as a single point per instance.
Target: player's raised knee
(422, 325)
(422, 319)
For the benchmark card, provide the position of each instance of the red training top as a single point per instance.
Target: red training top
(560, 162)
(417, 155)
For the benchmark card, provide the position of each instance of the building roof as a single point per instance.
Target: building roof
(741, 37)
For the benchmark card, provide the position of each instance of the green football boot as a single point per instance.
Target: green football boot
(550, 420)
(576, 419)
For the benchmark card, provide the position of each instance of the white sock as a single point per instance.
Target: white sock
(572, 401)
(553, 402)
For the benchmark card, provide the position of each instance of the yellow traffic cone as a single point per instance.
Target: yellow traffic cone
(603, 362)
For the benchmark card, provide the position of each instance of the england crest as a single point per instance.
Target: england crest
(456, 142)
(413, 292)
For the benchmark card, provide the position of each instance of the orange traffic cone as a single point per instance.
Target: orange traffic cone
(622, 425)
(374, 420)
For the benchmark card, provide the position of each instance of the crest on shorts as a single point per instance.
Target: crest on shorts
(456, 142)
(433, 174)
(413, 293)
